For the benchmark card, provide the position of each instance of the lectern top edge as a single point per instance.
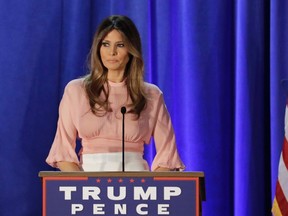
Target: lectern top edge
(117, 174)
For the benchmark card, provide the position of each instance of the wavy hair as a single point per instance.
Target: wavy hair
(96, 80)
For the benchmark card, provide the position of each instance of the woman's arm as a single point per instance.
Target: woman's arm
(167, 157)
(64, 144)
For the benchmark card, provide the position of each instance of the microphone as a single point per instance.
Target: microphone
(123, 111)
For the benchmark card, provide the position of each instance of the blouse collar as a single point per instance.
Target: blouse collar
(118, 84)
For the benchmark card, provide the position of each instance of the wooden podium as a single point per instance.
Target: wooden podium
(122, 193)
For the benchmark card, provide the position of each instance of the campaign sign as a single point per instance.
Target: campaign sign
(132, 196)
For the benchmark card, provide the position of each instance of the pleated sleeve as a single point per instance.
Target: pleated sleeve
(63, 147)
(166, 150)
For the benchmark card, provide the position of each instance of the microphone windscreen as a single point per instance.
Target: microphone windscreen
(123, 110)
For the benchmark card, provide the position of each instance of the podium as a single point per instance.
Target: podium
(122, 193)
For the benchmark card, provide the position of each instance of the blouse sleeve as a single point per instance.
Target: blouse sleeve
(166, 150)
(63, 147)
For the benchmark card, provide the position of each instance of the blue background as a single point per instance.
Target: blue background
(220, 64)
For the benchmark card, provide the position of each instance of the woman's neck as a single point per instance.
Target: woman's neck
(115, 77)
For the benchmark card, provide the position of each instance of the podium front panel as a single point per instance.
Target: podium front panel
(120, 195)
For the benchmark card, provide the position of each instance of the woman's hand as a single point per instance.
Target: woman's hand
(68, 166)
(161, 169)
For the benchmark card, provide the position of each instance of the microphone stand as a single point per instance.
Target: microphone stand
(123, 111)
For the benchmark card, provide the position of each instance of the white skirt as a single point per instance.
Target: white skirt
(101, 162)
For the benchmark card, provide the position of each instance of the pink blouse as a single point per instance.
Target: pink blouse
(104, 134)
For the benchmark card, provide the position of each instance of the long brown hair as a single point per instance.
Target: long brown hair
(96, 80)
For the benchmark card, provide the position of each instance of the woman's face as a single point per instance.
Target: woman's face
(114, 53)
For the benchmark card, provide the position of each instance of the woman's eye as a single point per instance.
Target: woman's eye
(121, 45)
(105, 44)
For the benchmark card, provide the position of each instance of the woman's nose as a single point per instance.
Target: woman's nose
(113, 51)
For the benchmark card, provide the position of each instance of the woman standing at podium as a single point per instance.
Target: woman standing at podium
(90, 109)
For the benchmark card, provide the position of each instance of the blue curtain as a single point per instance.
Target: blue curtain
(219, 64)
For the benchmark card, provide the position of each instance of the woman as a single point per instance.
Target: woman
(91, 109)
